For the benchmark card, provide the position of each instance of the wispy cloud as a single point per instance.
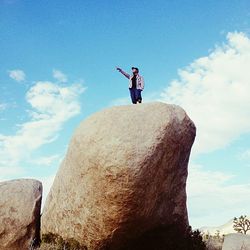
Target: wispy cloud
(8, 172)
(244, 155)
(212, 198)
(47, 183)
(17, 74)
(215, 92)
(51, 105)
(59, 75)
(3, 106)
(46, 161)
(120, 101)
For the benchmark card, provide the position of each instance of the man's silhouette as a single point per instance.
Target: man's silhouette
(136, 84)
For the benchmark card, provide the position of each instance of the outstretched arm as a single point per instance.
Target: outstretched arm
(123, 72)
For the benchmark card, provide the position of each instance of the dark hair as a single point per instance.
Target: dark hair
(135, 68)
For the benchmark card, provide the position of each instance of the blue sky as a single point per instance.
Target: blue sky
(57, 66)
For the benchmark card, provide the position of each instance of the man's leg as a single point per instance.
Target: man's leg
(138, 95)
(133, 95)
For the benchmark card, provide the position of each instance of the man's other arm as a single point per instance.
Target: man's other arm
(123, 72)
(142, 83)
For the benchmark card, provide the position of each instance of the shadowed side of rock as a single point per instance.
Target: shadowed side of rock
(124, 174)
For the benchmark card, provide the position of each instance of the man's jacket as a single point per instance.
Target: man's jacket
(139, 82)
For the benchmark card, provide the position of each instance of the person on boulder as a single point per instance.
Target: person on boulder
(136, 84)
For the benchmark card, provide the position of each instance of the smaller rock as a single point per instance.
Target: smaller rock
(20, 206)
(236, 241)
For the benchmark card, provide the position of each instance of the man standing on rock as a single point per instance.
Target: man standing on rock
(136, 84)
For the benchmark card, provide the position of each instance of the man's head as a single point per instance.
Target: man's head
(135, 70)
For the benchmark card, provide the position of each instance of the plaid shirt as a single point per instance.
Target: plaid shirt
(139, 82)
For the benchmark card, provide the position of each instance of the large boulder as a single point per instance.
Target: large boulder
(20, 206)
(236, 241)
(124, 174)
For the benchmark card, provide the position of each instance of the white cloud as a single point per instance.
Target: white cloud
(59, 75)
(46, 160)
(47, 183)
(120, 101)
(17, 74)
(213, 199)
(245, 154)
(3, 106)
(51, 106)
(9, 172)
(215, 92)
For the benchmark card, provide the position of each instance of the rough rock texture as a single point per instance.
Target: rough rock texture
(20, 206)
(124, 173)
(236, 241)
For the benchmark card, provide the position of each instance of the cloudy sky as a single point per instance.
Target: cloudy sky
(57, 66)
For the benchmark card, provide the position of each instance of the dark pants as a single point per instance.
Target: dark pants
(135, 95)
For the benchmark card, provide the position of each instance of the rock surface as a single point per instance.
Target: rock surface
(124, 173)
(20, 206)
(236, 241)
